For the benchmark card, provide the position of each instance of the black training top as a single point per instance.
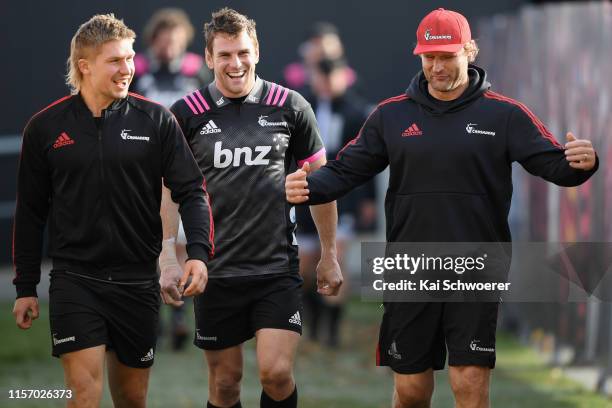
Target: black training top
(450, 162)
(100, 187)
(244, 150)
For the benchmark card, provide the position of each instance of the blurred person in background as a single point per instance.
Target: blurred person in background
(91, 167)
(164, 73)
(323, 41)
(449, 142)
(245, 132)
(166, 70)
(340, 114)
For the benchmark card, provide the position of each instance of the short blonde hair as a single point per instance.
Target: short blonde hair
(100, 29)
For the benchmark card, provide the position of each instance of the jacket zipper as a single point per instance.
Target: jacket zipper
(103, 184)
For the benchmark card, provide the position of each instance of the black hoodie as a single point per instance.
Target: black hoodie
(450, 162)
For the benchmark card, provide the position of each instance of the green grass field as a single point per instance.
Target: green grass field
(342, 379)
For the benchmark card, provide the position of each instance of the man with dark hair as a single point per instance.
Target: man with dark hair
(245, 132)
(449, 142)
(92, 163)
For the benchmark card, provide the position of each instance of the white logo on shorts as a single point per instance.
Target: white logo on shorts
(64, 340)
(204, 338)
(149, 356)
(393, 352)
(475, 347)
(295, 319)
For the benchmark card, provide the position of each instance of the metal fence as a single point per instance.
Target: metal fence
(556, 59)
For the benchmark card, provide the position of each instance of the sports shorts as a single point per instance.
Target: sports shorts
(86, 312)
(416, 336)
(232, 309)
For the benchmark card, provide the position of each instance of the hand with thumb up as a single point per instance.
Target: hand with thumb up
(579, 153)
(295, 185)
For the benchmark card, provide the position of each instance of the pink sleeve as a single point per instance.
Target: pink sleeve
(313, 158)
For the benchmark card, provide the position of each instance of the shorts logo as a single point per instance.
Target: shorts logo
(64, 340)
(475, 347)
(210, 127)
(296, 319)
(149, 356)
(263, 122)
(393, 352)
(413, 130)
(63, 140)
(205, 338)
(125, 135)
(470, 129)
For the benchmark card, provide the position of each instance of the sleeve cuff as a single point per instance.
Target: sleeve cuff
(26, 290)
(198, 252)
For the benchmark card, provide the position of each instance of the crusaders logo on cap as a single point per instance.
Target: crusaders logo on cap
(428, 36)
(442, 31)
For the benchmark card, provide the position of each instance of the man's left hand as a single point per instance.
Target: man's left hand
(198, 272)
(579, 153)
(329, 276)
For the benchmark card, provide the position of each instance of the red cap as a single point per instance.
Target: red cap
(442, 30)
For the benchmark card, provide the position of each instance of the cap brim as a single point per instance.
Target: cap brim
(422, 49)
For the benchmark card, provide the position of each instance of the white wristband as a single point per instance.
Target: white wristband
(167, 257)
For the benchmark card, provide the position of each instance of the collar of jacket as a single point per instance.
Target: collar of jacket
(115, 105)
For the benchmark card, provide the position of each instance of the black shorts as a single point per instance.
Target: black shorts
(86, 312)
(415, 336)
(231, 310)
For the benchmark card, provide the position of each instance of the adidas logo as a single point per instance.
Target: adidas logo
(295, 319)
(149, 356)
(413, 130)
(63, 140)
(209, 128)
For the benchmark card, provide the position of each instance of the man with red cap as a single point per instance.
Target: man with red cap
(449, 142)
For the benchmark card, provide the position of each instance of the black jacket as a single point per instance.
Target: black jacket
(450, 162)
(100, 188)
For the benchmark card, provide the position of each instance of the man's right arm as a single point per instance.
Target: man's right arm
(186, 184)
(360, 160)
(33, 194)
(32, 209)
